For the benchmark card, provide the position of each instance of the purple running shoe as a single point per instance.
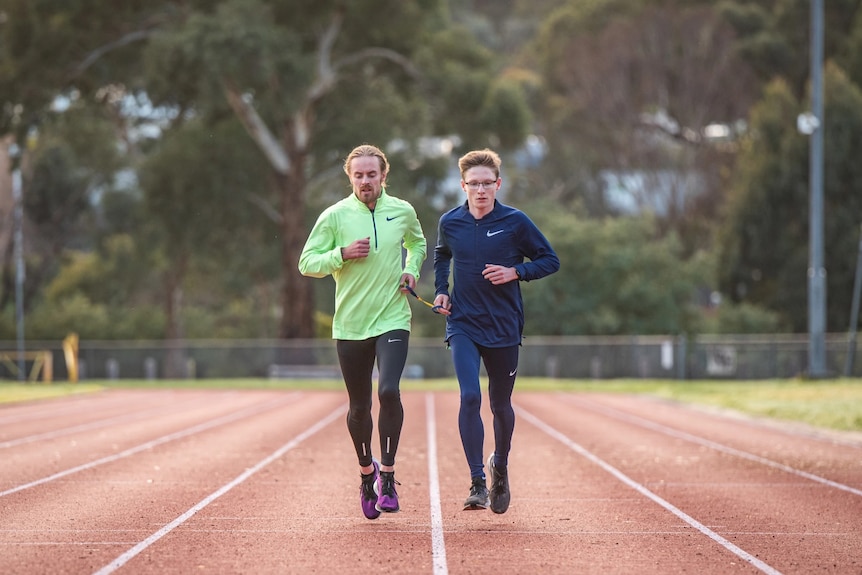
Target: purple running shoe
(387, 498)
(368, 492)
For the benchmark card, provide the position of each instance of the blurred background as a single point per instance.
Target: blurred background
(162, 163)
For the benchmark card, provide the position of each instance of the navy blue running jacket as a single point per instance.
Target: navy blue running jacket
(491, 316)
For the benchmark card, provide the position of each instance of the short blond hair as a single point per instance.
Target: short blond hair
(486, 157)
(367, 150)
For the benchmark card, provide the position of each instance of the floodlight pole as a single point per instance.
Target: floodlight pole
(18, 250)
(854, 313)
(816, 269)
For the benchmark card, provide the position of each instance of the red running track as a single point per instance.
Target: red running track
(215, 482)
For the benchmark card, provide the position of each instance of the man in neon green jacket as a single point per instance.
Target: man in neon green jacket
(358, 240)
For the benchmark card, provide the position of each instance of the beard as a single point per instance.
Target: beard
(369, 195)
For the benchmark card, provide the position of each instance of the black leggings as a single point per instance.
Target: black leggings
(357, 366)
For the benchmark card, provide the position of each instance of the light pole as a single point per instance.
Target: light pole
(854, 314)
(816, 269)
(18, 245)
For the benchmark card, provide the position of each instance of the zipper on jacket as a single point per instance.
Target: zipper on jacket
(374, 225)
(477, 241)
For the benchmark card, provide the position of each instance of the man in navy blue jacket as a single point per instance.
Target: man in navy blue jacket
(484, 244)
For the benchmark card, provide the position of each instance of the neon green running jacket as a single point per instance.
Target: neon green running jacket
(368, 301)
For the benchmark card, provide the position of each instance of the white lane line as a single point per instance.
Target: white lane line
(126, 417)
(59, 407)
(62, 406)
(634, 419)
(249, 411)
(741, 553)
(438, 545)
(134, 551)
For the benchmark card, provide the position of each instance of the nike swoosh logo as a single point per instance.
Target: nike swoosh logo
(490, 233)
(393, 340)
(388, 219)
(513, 372)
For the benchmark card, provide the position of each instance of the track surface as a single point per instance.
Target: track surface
(161, 482)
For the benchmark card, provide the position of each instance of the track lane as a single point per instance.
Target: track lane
(569, 516)
(85, 517)
(792, 523)
(299, 512)
(86, 453)
(793, 463)
(22, 419)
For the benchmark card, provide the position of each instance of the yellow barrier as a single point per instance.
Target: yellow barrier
(70, 349)
(43, 362)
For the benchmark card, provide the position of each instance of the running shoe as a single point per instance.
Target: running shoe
(499, 495)
(387, 498)
(368, 492)
(478, 498)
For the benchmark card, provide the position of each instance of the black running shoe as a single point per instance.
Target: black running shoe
(499, 495)
(478, 498)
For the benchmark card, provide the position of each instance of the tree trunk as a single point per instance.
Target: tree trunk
(297, 302)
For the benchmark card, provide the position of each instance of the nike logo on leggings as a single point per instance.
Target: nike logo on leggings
(513, 372)
(393, 340)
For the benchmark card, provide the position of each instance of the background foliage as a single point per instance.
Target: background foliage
(175, 154)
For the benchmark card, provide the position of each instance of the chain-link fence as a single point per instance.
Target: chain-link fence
(670, 357)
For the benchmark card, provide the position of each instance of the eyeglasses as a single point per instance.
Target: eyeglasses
(477, 185)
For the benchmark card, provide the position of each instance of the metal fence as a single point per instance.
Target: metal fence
(666, 357)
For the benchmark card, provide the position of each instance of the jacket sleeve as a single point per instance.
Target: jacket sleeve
(442, 262)
(321, 256)
(543, 259)
(416, 246)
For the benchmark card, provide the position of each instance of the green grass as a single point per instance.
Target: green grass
(14, 392)
(832, 404)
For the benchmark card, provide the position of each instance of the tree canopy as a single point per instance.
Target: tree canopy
(763, 240)
(306, 80)
(202, 138)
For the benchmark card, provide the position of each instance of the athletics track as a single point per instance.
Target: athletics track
(265, 482)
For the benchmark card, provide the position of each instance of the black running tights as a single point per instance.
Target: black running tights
(357, 366)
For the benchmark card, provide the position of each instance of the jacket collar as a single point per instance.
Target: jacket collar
(490, 216)
(357, 203)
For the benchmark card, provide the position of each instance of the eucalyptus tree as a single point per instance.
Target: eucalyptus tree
(74, 158)
(60, 66)
(190, 183)
(311, 79)
(617, 277)
(763, 240)
(773, 36)
(308, 80)
(634, 93)
(48, 49)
